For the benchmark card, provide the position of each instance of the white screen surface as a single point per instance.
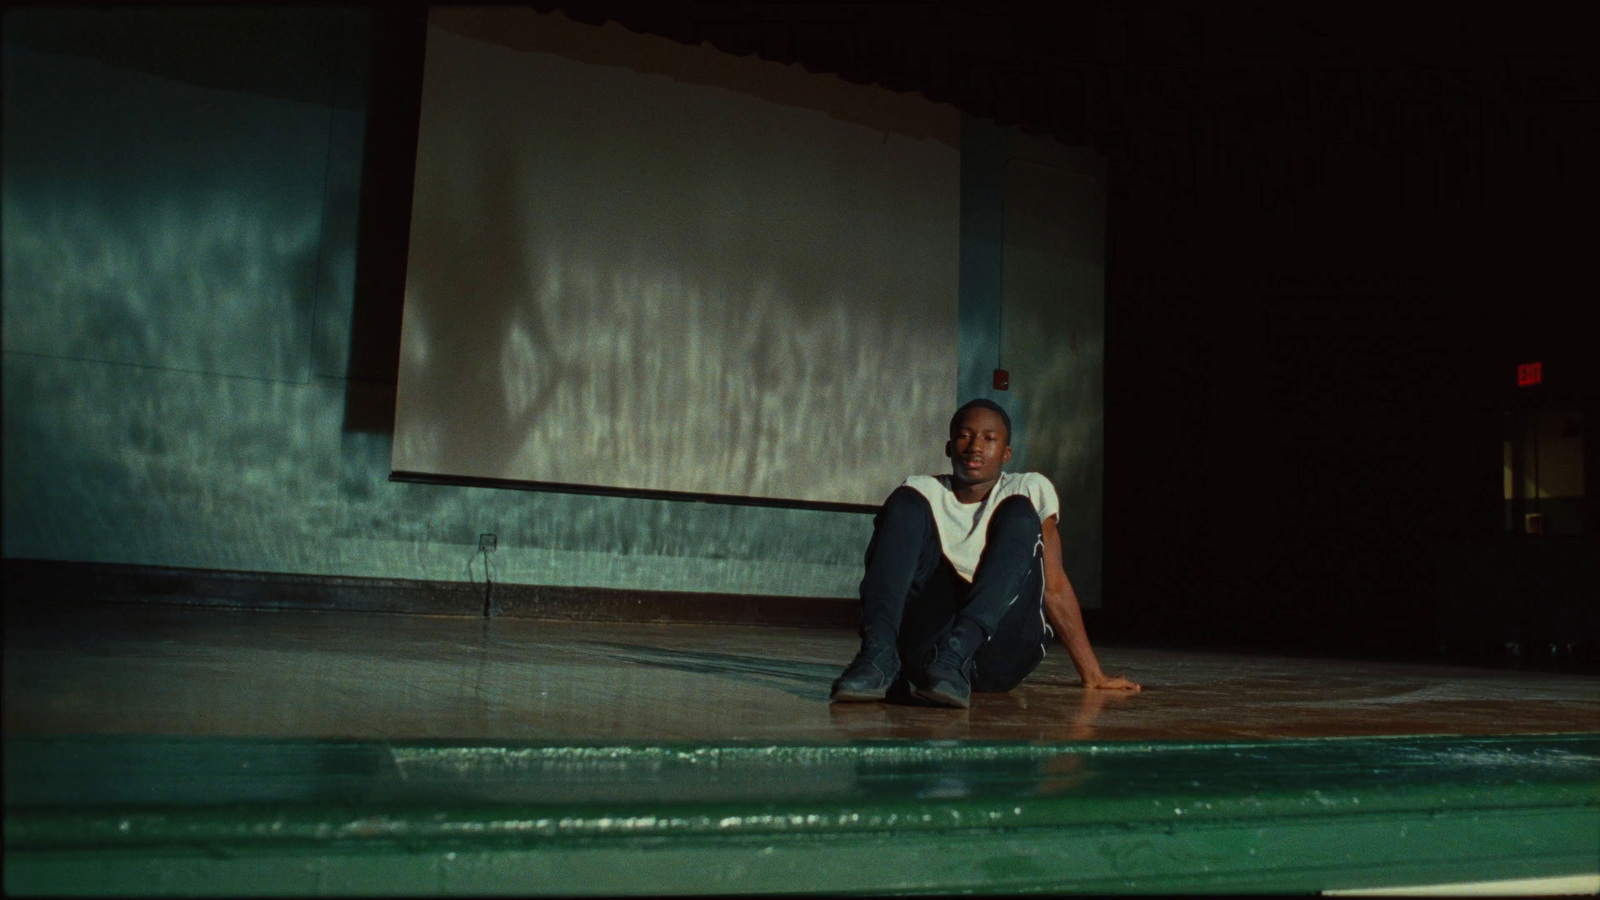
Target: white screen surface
(618, 279)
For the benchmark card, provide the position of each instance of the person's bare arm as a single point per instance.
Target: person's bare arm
(1061, 607)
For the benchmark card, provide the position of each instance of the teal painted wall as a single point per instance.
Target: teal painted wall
(985, 147)
(1033, 216)
(178, 290)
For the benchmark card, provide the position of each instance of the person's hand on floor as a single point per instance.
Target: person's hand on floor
(1111, 683)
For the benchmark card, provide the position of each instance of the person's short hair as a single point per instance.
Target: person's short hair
(982, 403)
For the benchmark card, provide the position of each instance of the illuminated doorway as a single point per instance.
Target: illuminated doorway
(1544, 472)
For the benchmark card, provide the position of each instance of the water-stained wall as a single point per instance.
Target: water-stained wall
(179, 266)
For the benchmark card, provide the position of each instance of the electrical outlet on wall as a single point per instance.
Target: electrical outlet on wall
(486, 543)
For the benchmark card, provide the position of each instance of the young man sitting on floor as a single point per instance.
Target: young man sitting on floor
(962, 572)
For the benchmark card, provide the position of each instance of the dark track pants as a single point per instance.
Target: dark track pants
(913, 596)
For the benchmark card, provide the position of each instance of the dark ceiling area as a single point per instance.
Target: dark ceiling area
(1041, 65)
(1052, 68)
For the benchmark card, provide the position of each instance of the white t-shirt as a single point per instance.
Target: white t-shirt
(963, 527)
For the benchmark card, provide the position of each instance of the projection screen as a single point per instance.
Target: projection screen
(632, 268)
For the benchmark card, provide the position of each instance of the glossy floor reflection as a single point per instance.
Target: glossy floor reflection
(192, 671)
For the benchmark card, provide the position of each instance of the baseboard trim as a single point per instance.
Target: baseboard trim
(36, 587)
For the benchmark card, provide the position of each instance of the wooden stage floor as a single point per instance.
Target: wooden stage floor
(167, 670)
(163, 750)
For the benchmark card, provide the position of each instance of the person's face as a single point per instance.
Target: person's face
(978, 446)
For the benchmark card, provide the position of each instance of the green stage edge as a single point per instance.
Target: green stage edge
(148, 815)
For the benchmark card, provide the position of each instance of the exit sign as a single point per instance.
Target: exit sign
(1530, 374)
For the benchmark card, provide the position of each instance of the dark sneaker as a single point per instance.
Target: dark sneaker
(869, 675)
(947, 679)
